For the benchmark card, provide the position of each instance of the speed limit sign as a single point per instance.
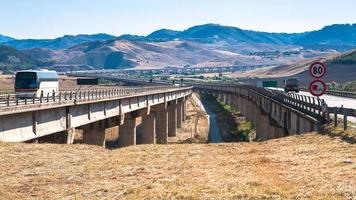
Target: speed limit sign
(317, 70)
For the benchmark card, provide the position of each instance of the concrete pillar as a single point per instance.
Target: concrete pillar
(127, 134)
(262, 127)
(248, 111)
(278, 132)
(234, 102)
(94, 133)
(220, 98)
(184, 110)
(172, 119)
(244, 107)
(70, 135)
(146, 131)
(179, 114)
(161, 123)
(294, 124)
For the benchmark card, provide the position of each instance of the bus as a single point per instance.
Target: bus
(34, 83)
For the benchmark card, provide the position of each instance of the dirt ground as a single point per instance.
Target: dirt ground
(310, 166)
(195, 129)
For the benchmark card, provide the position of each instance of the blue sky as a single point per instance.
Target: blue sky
(53, 18)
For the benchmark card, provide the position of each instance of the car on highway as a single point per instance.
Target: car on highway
(291, 84)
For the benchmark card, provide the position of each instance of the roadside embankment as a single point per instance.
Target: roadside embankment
(309, 166)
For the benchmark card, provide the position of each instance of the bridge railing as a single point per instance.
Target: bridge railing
(83, 95)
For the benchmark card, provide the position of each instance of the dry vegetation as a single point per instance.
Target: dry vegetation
(300, 167)
(6, 82)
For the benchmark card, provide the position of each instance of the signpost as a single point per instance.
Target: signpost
(317, 87)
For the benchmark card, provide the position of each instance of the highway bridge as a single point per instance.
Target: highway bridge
(150, 114)
(178, 70)
(144, 115)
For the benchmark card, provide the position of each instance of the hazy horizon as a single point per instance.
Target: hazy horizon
(41, 19)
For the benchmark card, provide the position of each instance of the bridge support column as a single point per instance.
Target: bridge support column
(180, 114)
(293, 120)
(239, 103)
(146, 131)
(127, 134)
(94, 133)
(161, 123)
(184, 109)
(220, 96)
(278, 132)
(224, 96)
(249, 109)
(234, 101)
(263, 127)
(172, 119)
(244, 108)
(70, 135)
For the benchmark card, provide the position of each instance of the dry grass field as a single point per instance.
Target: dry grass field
(310, 166)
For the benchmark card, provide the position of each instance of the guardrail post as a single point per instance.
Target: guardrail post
(47, 97)
(345, 119)
(335, 116)
(53, 96)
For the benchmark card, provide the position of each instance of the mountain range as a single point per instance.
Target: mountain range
(209, 44)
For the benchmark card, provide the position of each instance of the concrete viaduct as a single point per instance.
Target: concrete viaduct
(270, 118)
(145, 115)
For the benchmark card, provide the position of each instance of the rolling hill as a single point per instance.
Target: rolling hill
(203, 45)
(4, 38)
(58, 43)
(120, 53)
(338, 36)
(12, 59)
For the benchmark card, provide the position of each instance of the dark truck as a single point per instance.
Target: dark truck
(291, 84)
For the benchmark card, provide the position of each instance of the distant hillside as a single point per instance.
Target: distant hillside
(348, 58)
(125, 54)
(12, 59)
(340, 37)
(4, 38)
(58, 43)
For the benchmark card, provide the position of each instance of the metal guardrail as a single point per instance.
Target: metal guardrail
(342, 93)
(84, 95)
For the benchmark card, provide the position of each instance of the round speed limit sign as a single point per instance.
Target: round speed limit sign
(317, 70)
(317, 88)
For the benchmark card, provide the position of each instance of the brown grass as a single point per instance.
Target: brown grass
(300, 167)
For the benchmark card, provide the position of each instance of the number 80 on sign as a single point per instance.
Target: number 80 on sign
(317, 70)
